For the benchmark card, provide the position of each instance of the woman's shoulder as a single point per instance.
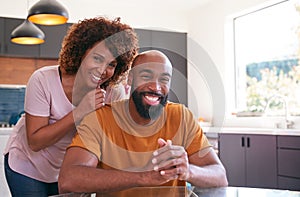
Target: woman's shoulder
(45, 72)
(44, 76)
(47, 69)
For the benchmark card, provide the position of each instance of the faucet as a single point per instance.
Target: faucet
(288, 124)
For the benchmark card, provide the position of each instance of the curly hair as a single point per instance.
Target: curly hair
(120, 39)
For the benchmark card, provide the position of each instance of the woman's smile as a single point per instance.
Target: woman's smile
(96, 78)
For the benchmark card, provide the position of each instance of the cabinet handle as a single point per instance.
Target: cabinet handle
(243, 141)
(248, 142)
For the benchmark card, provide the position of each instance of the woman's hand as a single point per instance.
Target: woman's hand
(93, 100)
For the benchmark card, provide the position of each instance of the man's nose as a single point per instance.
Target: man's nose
(155, 86)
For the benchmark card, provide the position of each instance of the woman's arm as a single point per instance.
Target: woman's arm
(41, 134)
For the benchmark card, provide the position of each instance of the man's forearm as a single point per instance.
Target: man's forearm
(90, 179)
(208, 176)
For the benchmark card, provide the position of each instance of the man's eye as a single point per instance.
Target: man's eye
(145, 77)
(165, 80)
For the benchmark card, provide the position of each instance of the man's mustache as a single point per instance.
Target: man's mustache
(152, 93)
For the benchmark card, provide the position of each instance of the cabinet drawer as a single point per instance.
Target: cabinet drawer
(288, 183)
(288, 142)
(289, 162)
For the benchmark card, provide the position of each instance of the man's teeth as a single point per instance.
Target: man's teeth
(152, 98)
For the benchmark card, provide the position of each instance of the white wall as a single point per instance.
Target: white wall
(205, 24)
(206, 27)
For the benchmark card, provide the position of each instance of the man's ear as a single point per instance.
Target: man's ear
(130, 78)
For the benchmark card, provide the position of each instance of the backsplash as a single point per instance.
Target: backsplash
(11, 104)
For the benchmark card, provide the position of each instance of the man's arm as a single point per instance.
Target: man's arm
(206, 170)
(79, 173)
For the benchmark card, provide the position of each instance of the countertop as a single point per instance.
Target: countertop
(6, 130)
(214, 192)
(214, 131)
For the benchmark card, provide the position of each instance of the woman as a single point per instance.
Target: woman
(95, 53)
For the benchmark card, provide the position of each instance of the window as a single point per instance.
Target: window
(266, 48)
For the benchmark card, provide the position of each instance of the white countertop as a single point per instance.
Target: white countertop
(214, 131)
(6, 131)
(245, 130)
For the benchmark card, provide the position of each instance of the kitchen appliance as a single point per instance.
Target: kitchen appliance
(11, 104)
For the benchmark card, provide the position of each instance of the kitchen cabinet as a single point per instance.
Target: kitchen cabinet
(288, 162)
(145, 39)
(1, 35)
(49, 49)
(53, 39)
(11, 103)
(12, 49)
(174, 45)
(250, 159)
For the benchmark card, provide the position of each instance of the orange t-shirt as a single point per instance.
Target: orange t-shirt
(120, 143)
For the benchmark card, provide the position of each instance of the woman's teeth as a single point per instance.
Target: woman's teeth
(96, 78)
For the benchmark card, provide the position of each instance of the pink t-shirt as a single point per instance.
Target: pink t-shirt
(44, 97)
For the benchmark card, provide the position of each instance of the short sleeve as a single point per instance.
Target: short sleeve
(196, 139)
(37, 100)
(89, 132)
(77, 142)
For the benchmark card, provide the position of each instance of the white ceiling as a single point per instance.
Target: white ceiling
(142, 4)
(169, 14)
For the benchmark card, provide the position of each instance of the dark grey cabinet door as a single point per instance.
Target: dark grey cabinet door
(261, 161)
(145, 39)
(53, 39)
(17, 50)
(232, 155)
(288, 162)
(174, 45)
(1, 36)
(171, 41)
(250, 160)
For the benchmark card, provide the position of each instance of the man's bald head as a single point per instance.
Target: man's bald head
(151, 56)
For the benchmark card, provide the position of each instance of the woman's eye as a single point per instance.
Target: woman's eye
(98, 58)
(114, 65)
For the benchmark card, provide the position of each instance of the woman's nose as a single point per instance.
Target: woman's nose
(103, 73)
(102, 70)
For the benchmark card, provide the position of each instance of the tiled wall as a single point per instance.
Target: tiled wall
(11, 103)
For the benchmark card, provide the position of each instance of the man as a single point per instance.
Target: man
(142, 141)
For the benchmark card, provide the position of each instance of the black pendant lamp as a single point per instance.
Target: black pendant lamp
(48, 12)
(27, 33)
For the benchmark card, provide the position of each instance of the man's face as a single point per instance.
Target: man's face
(150, 88)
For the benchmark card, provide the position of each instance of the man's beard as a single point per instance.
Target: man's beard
(148, 111)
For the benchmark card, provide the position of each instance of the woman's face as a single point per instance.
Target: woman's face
(97, 66)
